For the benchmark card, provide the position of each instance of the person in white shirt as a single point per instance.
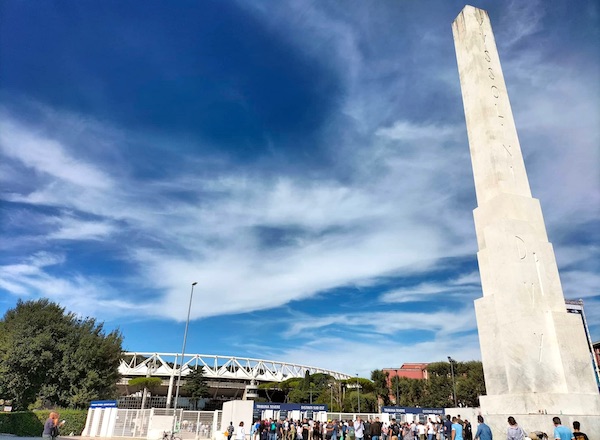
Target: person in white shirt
(421, 430)
(430, 430)
(359, 429)
(240, 433)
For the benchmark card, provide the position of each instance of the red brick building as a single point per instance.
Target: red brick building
(410, 371)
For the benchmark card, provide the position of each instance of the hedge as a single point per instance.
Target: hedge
(31, 423)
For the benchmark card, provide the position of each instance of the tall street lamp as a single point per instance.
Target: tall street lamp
(187, 324)
(453, 381)
(358, 387)
(397, 380)
(331, 401)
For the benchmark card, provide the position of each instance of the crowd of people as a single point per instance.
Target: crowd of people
(561, 432)
(435, 428)
(369, 429)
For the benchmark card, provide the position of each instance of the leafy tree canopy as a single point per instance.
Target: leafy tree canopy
(49, 354)
(145, 382)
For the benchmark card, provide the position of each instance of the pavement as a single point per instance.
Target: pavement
(65, 437)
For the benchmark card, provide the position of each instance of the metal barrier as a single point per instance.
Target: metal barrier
(131, 423)
(151, 423)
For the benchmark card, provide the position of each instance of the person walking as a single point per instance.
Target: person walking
(514, 431)
(430, 430)
(240, 433)
(483, 431)
(468, 430)
(422, 430)
(305, 429)
(376, 429)
(561, 432)
(350, 431)
(457, 429)
(359, 429)
(448, 428)
(577, 433)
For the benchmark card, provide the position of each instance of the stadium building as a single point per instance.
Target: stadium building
(227, 377)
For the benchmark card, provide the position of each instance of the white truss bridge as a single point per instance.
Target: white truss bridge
(217, 367)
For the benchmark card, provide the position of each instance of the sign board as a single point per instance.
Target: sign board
(290, 406)
(103, 404)
(6, 405)
(407, 410)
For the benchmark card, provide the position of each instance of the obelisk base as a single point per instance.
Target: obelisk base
(496, 410)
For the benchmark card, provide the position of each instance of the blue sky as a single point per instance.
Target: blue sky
(306, 162)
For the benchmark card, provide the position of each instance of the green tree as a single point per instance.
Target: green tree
(298, 395)
(470, 383)
(52, 355)
(439, 387)
(148, 384)
(380, 384)
(306, 382)
(196, 386)
(410, 391)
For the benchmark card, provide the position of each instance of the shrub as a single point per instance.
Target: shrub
(31, 423)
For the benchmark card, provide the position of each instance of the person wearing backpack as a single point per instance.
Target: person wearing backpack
(343, 430)
(255, 434)
(272, 430)
(395, 429)
(351, 433)
(264, 431)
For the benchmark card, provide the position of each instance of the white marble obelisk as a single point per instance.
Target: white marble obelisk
(535, 357)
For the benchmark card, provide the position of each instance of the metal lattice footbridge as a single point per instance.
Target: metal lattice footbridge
(225, 375)
(217, 367)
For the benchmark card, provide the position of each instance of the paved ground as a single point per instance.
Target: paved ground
(14, 437)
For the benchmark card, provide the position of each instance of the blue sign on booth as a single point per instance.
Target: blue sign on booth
(408, 410)
(290, 406)
(103, 404)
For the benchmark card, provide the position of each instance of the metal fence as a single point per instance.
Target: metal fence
(147, 423)
(132, 423)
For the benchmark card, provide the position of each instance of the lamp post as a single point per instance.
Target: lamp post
(187, 324)
(331, 401)
(453, 381)
(397, 380)
(358, 388)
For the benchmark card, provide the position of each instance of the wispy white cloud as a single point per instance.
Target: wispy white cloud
(70, 228)
(388, 323)
(468, 286)
(84, 295)
(359, 356)
(47, 156)
(405, 131)
(520, 20)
